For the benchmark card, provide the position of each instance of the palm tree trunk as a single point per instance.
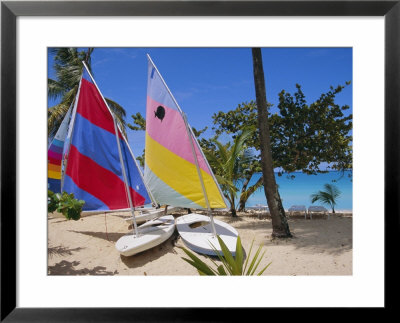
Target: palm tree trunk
(280, 226)
(247, 193)
(242, 201)
(233, 209)
(242, 205)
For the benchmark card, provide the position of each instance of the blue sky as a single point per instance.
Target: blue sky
(208, 80)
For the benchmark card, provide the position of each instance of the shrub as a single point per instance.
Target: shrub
(52, 201)
(66, 204)
(230, 265)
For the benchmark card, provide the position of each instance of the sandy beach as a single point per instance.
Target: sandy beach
(319, 246)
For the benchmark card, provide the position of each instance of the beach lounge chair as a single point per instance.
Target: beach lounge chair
(317, 209)
(261, 207)
(295, 209)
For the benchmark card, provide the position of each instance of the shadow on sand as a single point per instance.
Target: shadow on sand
(61, 251)
(326, 235)
(59, 221)
(152, 254)
(335, 241)
(67, 268)
(109, 236)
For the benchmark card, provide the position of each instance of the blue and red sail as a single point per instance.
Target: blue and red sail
(94, 171)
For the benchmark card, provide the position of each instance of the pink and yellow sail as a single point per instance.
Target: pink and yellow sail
(170, 172)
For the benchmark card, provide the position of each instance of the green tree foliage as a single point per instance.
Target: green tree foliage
(52, 201)
(229, 162)
(302, 135)
(68, 68)
(198, 133)
(328, 196)
(139, 123)
(232, 123)
(230, 265)
(305, 135)
(65, 204)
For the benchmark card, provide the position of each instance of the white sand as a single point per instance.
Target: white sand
(87, 247)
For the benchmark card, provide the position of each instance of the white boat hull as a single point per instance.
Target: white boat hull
(196, 233)
(151, 234)
(143, 215)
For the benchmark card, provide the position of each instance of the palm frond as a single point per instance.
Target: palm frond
(215, 162)
(70, 95)
(222, 151)
(230, 162)
(54, 89)
(55, 116)
(246, 194)
(332, 190)
(119, 113)
(116, 108)
(68, 68)
(329, 196)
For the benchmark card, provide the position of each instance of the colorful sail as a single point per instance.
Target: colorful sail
(94, 172)
(170, 166)
(55, 156)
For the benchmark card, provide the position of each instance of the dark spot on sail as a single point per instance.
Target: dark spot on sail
(160, 113)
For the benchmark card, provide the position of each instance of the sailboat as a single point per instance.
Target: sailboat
(177, 172)
(55, 155)
(143, 214)
(102, 170)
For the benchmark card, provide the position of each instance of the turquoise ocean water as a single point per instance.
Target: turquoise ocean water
(297, 191)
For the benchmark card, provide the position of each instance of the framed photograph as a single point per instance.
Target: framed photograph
(371, 29)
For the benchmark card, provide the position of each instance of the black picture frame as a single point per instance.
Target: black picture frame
(10, 10)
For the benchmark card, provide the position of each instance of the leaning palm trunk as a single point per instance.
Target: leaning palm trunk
(232, 204)
(247, 192)
(280, 227)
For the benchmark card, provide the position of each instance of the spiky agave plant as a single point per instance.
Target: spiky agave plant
(328, 196)
(230, 265)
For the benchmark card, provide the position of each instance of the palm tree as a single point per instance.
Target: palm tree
(248, 191)
(227, 162)
(328, 196)
(68, 67)
(253, 168)
(280, 226)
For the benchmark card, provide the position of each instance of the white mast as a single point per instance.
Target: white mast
(116, 127)
(125, 178)
(191, 138)
(140, 172)
(208, 165)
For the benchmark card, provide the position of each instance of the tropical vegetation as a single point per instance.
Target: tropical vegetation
(295, 136)
(280, 226)
(229, 162)
(66, 204)
(68, 69)
(231, 265)
(329, 196)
